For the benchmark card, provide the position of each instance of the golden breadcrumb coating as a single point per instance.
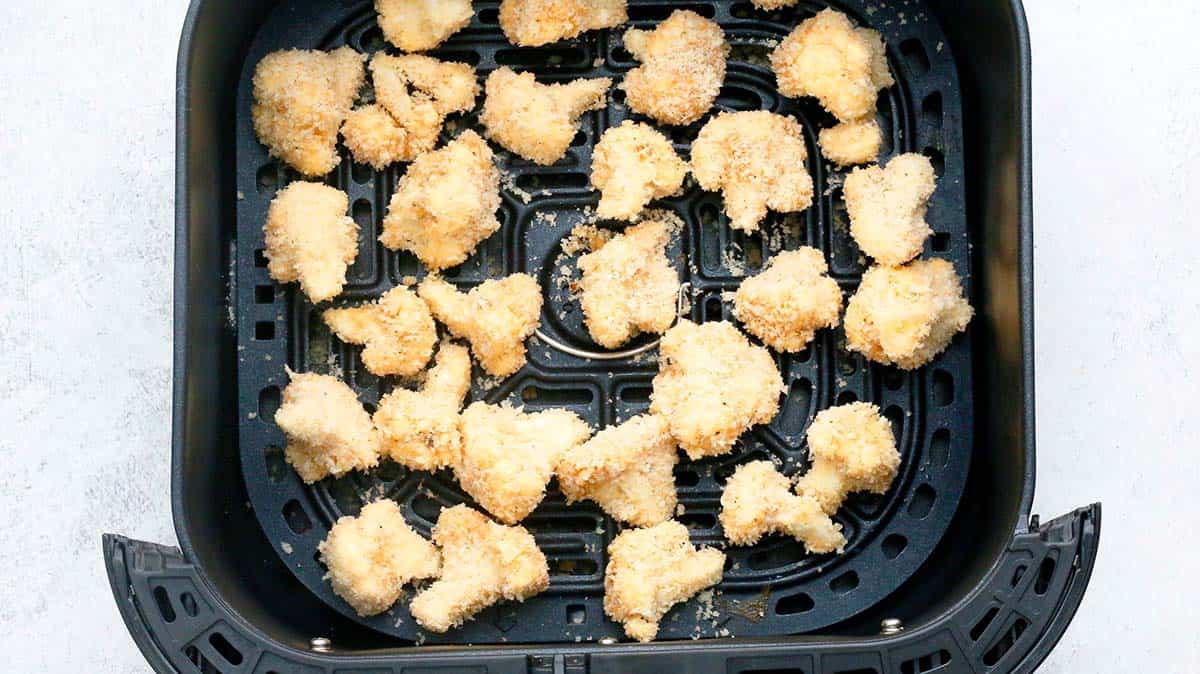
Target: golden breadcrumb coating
(496, 317)
(300, 100)
(509, 456)
(419, 429)
(628, 286)
(372, 557)
(851, 143)
(851, 448)
(534, 120)
(532, 23)
(632, 165)
(905, 316)
(713, 385)
(482, 563)
(418, 25)
(397, 332)
(328, 431)
(683, 67)
(414, 93)
(310, 239)
(790, 300)
(758, 501)
(773, 4)
(650, 570)
(757, 159)
(445, 204)
(887, 208)
(627, 469)
(841, 66)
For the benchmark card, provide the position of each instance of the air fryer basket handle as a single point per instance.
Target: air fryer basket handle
(1009, 623)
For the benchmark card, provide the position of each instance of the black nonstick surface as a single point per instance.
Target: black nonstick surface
(773, 588)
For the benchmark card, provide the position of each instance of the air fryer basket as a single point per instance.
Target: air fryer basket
(993, 595)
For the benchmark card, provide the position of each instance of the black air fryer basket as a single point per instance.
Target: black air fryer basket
(947, 572)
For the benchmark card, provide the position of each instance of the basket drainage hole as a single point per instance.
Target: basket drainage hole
(297, 520)
(635, 395)
(847, 397)
(260, 258)
(1045, 573)
(939, 448)
(937, 159)
(361, 173)
(922, 502)
(793, 604)
(981, 626)
(1019, 574)
(941, 242)
(202, 663)
(894, 545)
(268, 402)
(687, 478)
(226, 649)
(264, 294)
(576, 614)
(572, 567)
(1005, 643)
(268, 178)
(189, 604)
(844, 583)
(264, 331)
(926, 663)
(164, 604)
(914, 53)
(698, 520)
(489, 16)
(931, 110)
(943, 388)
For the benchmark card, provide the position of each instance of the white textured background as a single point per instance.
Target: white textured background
(86, 146)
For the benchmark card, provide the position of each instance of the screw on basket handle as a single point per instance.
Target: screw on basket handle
(681, 304)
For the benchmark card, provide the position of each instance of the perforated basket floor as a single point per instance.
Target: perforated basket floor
(773, 588)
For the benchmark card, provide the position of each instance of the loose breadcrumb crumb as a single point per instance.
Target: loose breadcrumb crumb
(650, 570)
(851, 143)
(418, 25)
(300, 100)
(419, 429)
(509, 456)
(713, 385)
(758, 160)
(310, 239)
(586, 239)
(328, 431)
(790, 300)
(905, 316)
(843, 67)
(532, 23)
(632, 165)
(482, 563)
(683, 66)
(372, 557)
(534, 120)
(627, 469)
(628, 286)
(397, 332)
(758, 501)
(496, 317)
(445, 204)
(887, 208)
(773, 4)
(852, 448)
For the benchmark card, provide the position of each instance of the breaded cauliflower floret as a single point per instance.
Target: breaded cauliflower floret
(841, 66)
(632, 165)
(414, 94)
(905, 316)
(496, 317)
(629, 286)
(713, 385)
(310, 239)
(372, 557)
(788, 302)
(418, 25)
(419, 429)
(300, 100)
(627, 469)
(852, 143)
(851, 448)
(887, 208)
(482, 563)
(650, 570)
(397, 332)
(509, 456)
(683, 67)
(328, 431)
(532, 23)
(534, 120)
(757, 159)
(445, 204)
(758, 501)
